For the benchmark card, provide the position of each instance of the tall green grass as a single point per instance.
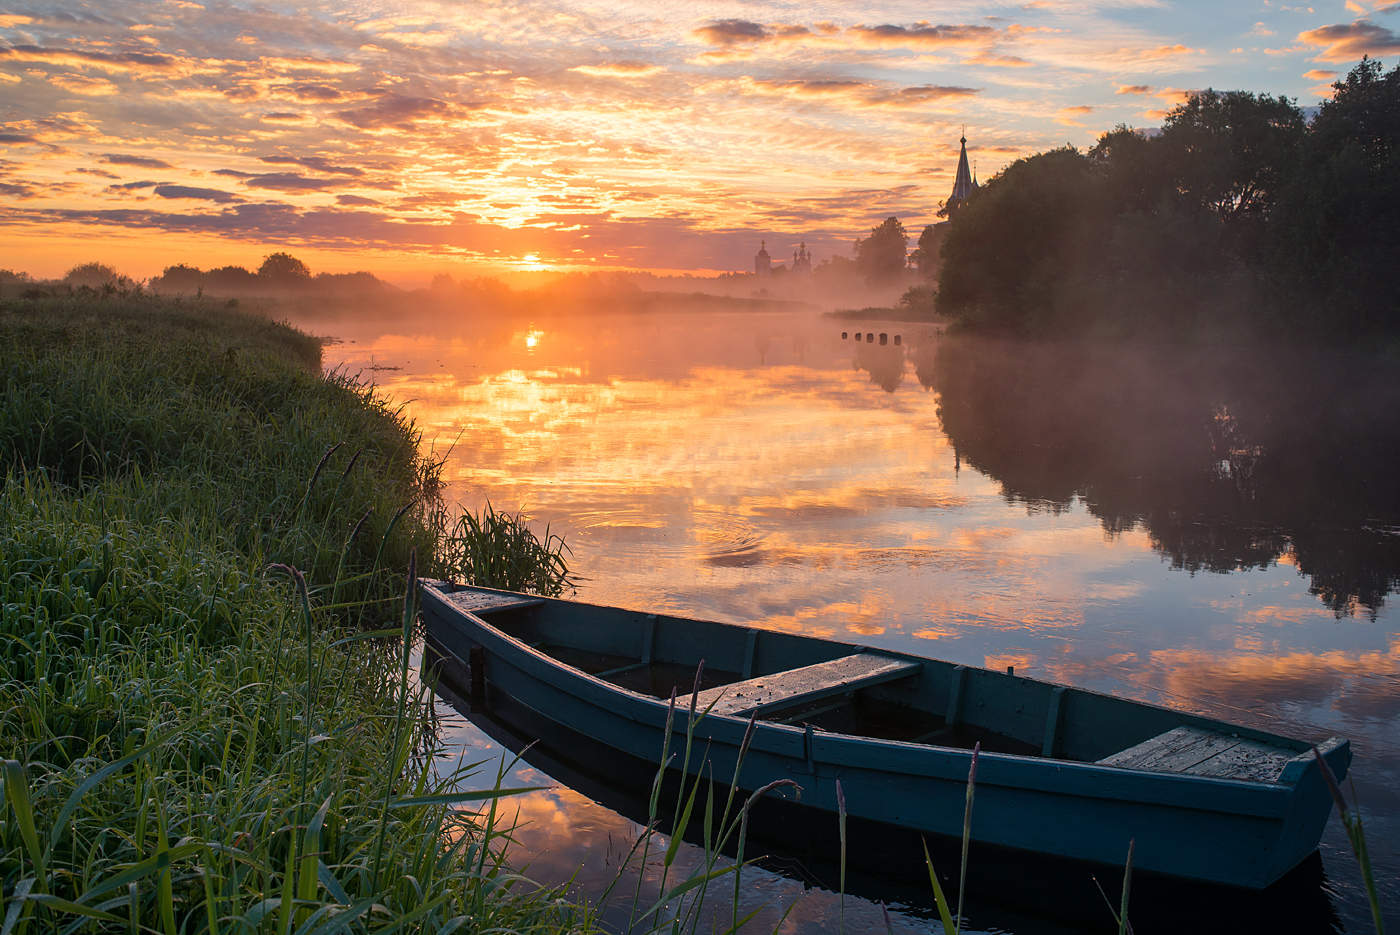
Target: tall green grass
(495, 549)
(205, 717)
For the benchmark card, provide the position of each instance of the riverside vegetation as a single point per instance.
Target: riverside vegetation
(206, 719)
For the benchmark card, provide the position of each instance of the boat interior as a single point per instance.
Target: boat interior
(841, 687)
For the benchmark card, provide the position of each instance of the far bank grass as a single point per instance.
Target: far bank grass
(190, 743)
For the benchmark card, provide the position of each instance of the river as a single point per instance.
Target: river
(1196, 528)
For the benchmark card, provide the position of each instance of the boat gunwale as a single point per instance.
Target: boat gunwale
(1053, 776)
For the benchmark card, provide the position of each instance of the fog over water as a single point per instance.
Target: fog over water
(1192, 528)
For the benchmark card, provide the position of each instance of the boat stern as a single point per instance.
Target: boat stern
(1312, 801)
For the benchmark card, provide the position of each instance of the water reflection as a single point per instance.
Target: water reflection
(1230, 462)
(1178, 529)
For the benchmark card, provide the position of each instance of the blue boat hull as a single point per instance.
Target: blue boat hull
(1221, 830)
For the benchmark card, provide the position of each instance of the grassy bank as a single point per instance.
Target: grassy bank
(191, 741)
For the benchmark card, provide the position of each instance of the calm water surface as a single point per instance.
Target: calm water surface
(1197, 530)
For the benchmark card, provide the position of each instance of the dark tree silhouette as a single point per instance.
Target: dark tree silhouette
(1229, 151)
(925, 255)
(229, 279)
(95, 276)
(284, 268)
(881, 256)
(1237, 221)
(180, 279)
(1337, 232)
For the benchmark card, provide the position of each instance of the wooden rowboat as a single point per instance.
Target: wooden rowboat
(1063, 771)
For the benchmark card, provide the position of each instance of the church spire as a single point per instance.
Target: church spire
(963, 185)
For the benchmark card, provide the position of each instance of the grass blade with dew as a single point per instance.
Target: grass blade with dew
(841, 826)
(1124, 927)
(967, 829)
(744, 826)
(1356, 837)
(406, 635)
(945, 916)
(17, 791)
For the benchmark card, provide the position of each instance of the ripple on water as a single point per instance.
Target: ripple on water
(711, 536)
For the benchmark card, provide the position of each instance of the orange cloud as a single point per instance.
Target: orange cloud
(1068, 115)
(1346, 42)
(83, 84)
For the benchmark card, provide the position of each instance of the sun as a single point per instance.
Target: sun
(533, 263)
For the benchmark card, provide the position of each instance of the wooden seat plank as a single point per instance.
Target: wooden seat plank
(809, 683)
(478, 602)
(1208, 744)
(1154, 748)
(1203, 752)
(1248, 759)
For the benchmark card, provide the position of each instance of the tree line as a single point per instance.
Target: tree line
(1240, 217)
(280, 272)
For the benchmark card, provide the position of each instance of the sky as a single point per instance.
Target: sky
(477, 138)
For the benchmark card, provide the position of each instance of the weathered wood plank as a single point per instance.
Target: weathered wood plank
(809, 683)
(1154, 748)
(1208, 745)
(477, 602)
(1248, 759)
(1201, 752)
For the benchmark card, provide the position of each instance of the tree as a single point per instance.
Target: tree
(1133, 169)
(880, 257)
(1337, 231)
(925, 255)
(360, 284)
(285, 269)
(1014, 249)
(1364, 110)
(95, 276)
(179, 279)
(1229, 151)
(227, 279)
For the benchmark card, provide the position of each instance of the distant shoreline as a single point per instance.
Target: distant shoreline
(880, 313)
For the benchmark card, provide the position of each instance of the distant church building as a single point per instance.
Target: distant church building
(763, 263)
(964, 182)
(801, 259)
